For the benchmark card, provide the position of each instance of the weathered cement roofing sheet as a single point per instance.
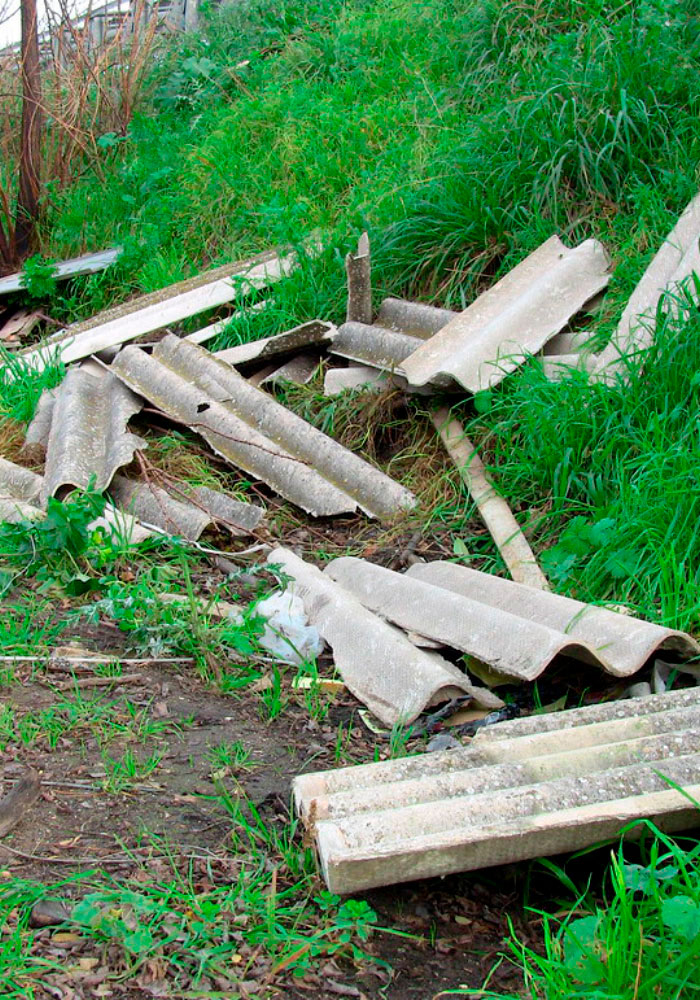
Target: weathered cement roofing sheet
(20, 499)
(377, 662)
(337, 380)
(315, 333)
(20, 490)
(413, 318)
(254, 432)
(159, 309)
(82, 427)
(512, 628)
(177, 515)
(373, 345)
(87, 264)
(299, 370)
(513, 793)
(678, 258)
(514, 318)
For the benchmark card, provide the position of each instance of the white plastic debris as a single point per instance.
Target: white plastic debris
(287, 634)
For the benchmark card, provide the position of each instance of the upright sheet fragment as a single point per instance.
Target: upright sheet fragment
(676, 261)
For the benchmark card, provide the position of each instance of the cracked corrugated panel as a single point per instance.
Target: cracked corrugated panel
(20, 490)
(187, 514)
(373, 345)
(377, 662)
(514, 319)
(82, 426)
(89, 263)
(521, 789)
(20, 499)
(315, 333)
(248, 428)
(158, 309)
(413, 318)
(514, 629)
(678, 258)
(299, 371)
(338, 380)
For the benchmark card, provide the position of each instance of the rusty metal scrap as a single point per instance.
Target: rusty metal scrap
(512, 628)
(251, 430)
(377, 662)
(514, 318)
(82, 426)
(521, 789)
(188, 514)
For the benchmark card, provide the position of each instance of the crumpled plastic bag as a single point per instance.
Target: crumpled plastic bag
(287, 634)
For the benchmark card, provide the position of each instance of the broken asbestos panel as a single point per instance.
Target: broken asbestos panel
(514, 793)
(514, 318)
(313, 334)
(377, 662)
(373, 345)
(413, 318)
(678, 258)
(512, 628)
(87, 264)
(20, 490)
(159, 309)
(189, 514)
(86, 419)
(298, 371)
(337, 380)
(252, 431)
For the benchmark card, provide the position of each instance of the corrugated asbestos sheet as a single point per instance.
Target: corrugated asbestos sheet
(520, 790)
(87, 264)
(512, 628)
(514, 318)
(187, 515)
(254, 432)
(413, 318)
(20, 490)
(373, 345)
(82, 427)
(159, 309)
(377, 662)
(678, 258)
(315, 333)
(20, 499)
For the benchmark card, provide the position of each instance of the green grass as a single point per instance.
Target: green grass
(606, 475)
(639, 943)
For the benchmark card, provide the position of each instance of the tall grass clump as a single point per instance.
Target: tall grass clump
(609, 473)
(638, 943)
(461, 133)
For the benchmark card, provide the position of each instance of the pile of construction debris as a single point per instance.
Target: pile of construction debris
(564, 780)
